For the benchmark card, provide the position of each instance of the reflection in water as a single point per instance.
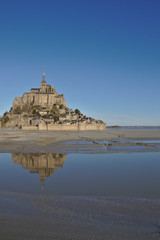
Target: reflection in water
(43, 163)
(126, 175)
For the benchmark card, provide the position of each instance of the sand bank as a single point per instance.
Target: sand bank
(50, 141)
(58, 217)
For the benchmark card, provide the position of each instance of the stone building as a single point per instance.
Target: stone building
(45, 96)
(44, 109)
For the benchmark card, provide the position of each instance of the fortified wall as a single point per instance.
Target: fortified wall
(67, 127)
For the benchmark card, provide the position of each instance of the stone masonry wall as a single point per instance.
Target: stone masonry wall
(45, 100)
(67, 127)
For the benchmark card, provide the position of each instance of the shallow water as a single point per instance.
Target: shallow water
(80, 196)
(109, 146)
(152, 141)
(121, 175)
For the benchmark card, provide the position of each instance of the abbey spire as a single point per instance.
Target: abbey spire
(43, 78)
(43, 88)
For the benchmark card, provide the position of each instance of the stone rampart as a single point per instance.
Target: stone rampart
(29, 128)
(67, 127)
(85, 127)
(63, 127)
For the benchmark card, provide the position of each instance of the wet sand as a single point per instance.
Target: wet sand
(50, 141)
(66, 217)
(29, 216)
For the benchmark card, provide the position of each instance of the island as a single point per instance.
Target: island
(44, 109)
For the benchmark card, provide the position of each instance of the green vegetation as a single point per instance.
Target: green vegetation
(56, 118)
(17, 110)
(54, 109)
(4, 120)
(28, 109)
(5, 114)
(34, 112)
(77, 111)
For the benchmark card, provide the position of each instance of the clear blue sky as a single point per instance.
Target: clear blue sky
(103, 55)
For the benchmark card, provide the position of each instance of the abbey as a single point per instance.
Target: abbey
(44, 109)
(45, 96)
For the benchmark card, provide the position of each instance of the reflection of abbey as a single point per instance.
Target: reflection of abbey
(43, 163)
(44, 109)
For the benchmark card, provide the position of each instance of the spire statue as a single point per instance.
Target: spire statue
(43, 78)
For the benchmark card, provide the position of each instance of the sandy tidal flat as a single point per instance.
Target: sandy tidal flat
(32, 216)
(83, 218)
(47, 141)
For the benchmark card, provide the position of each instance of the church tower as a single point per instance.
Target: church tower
(43, 84)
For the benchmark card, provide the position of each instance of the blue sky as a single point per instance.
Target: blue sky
(103, 55)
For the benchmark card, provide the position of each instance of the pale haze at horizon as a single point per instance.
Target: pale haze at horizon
(103, 55)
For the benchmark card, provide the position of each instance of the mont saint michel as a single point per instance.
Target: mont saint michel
(44, 109)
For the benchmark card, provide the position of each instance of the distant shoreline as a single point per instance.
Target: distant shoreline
(134, 127)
